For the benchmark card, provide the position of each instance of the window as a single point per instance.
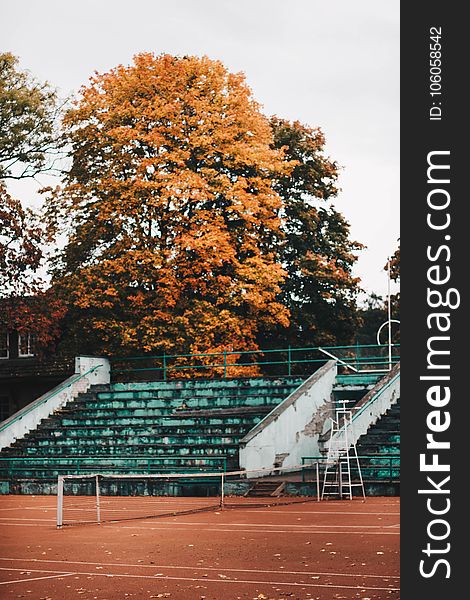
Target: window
(26, 342)
(4, 345)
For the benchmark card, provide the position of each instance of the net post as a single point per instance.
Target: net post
(318, 480)
(98, 508)
(60, 501)
(222, 478)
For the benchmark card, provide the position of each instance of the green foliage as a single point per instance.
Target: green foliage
(21, 252)
(28, 116)
(319, 290)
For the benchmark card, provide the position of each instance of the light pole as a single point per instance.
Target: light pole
(389, 320)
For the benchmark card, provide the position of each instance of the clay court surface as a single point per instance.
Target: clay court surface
(334, 549)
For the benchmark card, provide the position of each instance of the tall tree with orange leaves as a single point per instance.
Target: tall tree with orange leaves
(170, 211)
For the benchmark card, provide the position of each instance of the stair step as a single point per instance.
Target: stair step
(266, 488)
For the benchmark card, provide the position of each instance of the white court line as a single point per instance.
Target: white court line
(36, 578)
(205, 579)
(198, 567)
(321, 512)
(239, 510)
(317, 512)
(279, 525)
(29, 508)
(252, 531)
(21, 525)
(26, 519)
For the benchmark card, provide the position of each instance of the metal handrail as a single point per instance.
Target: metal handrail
(373, 397)
(387, 459)
(101, 463)
(347, 361)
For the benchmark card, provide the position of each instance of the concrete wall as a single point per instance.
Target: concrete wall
(88, 371)
(292, 429)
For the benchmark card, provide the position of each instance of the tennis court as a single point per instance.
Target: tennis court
(308, 550)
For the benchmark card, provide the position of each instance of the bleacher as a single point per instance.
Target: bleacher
(144, 427)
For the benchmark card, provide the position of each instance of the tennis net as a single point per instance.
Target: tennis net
(104, 498)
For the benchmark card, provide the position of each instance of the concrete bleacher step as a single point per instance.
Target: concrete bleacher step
(41, 466)
(169, 394)
(383, 437)
(203, 402)
(67, 440)
(181, 384)
(263, 489)
(239, 415)
(123, 449)
(114, 429)
(378, 449)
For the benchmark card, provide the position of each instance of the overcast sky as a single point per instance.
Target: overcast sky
(329, 64)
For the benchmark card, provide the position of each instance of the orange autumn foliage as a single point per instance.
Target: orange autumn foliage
(170, 211)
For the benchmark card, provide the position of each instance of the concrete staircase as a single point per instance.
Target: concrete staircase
(376, 430)
(381, 446)
(264, 489)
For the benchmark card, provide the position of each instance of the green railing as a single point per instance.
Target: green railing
(374, 467)
(384, 468)
(263, 362)
(47, 468)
